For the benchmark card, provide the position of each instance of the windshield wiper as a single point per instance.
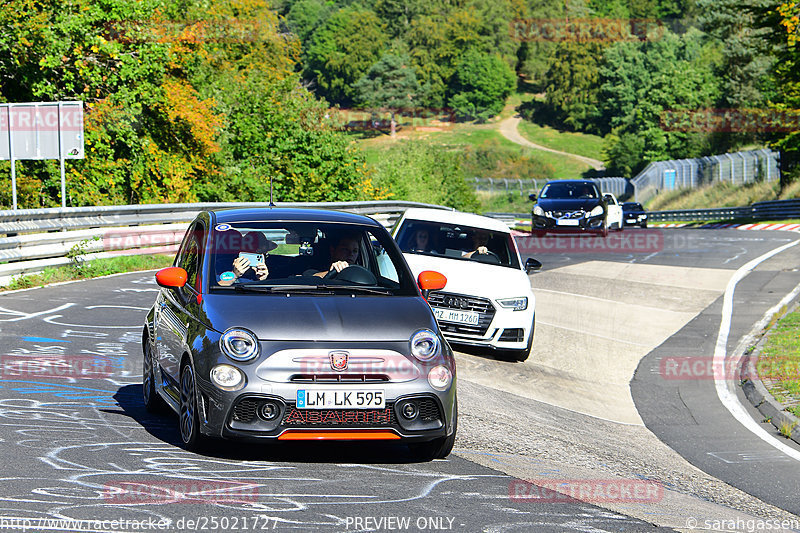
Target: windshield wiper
(254, 287)
(357, 288)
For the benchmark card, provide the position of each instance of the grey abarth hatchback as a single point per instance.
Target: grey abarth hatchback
(297, 324)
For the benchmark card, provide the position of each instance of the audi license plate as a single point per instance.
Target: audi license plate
(340, 399)
(461, 317)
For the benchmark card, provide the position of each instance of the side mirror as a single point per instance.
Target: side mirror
(532, 264)
(532, 197)
(171, 277)
(429, 280)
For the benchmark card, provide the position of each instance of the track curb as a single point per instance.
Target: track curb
(755, 391)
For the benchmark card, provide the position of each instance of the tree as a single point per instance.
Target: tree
(342, 50)
(639, 81)
(391, 84)
(573, 82)
(481, 84)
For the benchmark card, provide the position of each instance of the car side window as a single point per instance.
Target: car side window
(189, 258)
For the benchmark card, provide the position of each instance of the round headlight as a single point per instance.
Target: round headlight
(424, 345)
(440, 377)
(239, 344)
(227, 377)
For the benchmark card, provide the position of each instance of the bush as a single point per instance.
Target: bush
(481, 84)
(425, 173)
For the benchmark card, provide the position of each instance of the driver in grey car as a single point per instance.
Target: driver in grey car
(343, 253)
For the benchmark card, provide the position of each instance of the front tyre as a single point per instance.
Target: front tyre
(189, 421)
(152, 401)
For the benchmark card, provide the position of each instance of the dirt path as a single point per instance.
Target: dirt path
(508, 128)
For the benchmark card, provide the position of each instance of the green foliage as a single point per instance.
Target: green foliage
(572, 84)
(481, 84)
(390, 83)
(342, 50)
(425, 173)
(639, 81)
(99, 267)
(169, 88)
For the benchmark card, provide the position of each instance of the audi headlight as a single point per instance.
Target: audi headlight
(227, 377)
(597, 211)
(239, 344)
(517, 304)
(538, 211)
(424, 345)
(440, 377)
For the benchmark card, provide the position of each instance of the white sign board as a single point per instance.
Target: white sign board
(44, 130)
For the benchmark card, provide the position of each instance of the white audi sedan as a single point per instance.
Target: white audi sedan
(488, 301)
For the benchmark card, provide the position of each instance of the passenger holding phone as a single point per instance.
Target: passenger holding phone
(250, 265)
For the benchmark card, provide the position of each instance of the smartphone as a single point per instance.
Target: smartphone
(255, 259)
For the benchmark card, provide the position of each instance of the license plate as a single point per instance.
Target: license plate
(462, 317)
(631, 221)
(568, 222)
(340, 399)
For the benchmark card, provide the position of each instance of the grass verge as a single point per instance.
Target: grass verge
(90, 269)
(779, 362)
(564, 141)
(722, 194)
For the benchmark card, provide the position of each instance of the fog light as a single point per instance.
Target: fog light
(409, 410)
(440, 377)
(227, 377)
(268, 411)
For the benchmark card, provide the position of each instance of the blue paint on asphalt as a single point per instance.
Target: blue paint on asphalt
(66, 392)
(42, 339)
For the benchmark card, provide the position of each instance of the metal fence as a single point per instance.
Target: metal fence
(33, 239)
(523, 187)
(736, 168)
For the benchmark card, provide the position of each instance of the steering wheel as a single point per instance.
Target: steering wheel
(358, 275)
(332, 273)
(489, 253)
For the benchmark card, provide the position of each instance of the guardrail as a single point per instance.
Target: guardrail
(39, 238)
(771, 210)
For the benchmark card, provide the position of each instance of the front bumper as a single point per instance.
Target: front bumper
(239, 414)
(568, 225)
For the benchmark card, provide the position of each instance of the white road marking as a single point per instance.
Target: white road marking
(724, 392)
(21, 315)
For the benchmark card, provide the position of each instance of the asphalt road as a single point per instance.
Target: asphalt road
(77, 443)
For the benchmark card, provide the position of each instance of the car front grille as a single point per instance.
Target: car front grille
(459, 302)
(339, 378)
(344, 418)
(512, 335)
(429, 410)
(245, 410)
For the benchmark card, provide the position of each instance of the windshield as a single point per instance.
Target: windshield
(307, 256)
(570, 190)
(457, 242)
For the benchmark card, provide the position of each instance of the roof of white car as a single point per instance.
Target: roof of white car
(456, 217)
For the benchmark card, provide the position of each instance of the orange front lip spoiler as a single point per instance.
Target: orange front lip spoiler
(339, 434)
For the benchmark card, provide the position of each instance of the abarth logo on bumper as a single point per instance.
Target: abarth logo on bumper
(339, 360)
